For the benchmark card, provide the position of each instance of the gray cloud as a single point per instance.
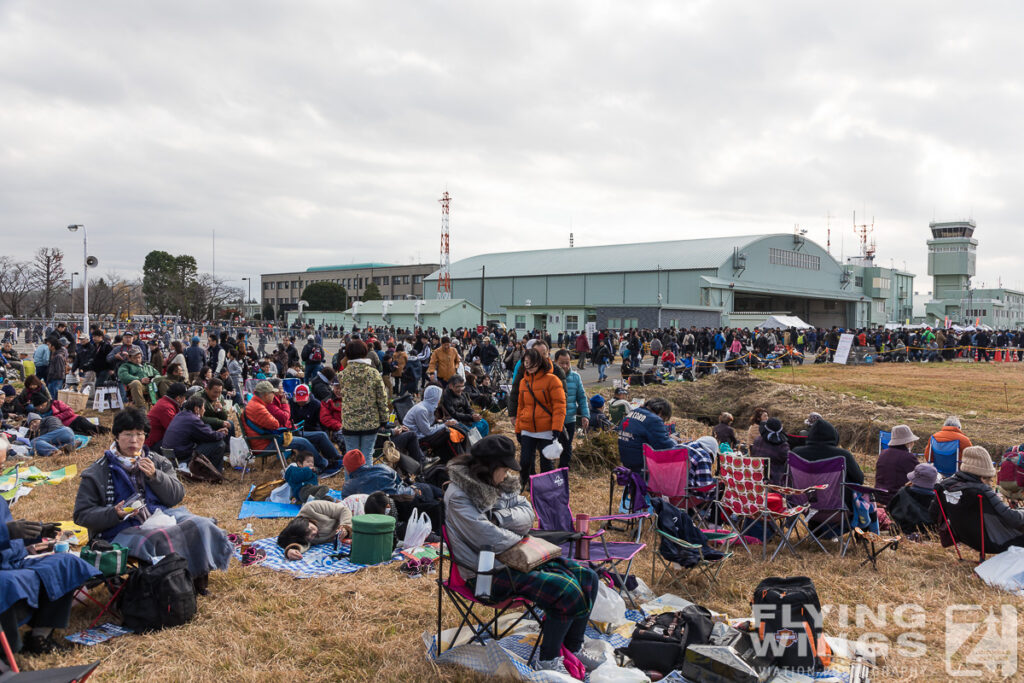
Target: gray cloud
(323, 132)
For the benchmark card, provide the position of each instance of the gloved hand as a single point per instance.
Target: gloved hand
(21, 528)
(51, 529)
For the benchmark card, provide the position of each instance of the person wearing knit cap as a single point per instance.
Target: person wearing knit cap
(772, 444)
(362, 477)
(960, 495)
(7, 407)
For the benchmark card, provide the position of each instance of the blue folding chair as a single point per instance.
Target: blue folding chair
(883, 440)
(945, 455)
(289, 384)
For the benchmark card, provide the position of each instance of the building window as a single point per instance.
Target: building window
(881, 283)
(794, 259)
(405, 279)
(520, 322)
(417, 279)
(572, 323)
(858, 281)
(880, 306)
(285, 284)
(614, 324)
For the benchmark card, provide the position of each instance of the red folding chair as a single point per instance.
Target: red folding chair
(455, 588)
(114, 585)
(64, 674)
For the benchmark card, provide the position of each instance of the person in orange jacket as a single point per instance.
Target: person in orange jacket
(540, 417)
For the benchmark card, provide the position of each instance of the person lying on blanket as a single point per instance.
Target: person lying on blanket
(319, 521)
(127, 471)
(35, 590)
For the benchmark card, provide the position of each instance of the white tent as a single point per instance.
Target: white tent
(784, 322)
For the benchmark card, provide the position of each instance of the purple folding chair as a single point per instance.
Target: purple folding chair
(549, 493)
(829, 504)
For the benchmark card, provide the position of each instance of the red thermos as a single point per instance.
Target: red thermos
(583, 545)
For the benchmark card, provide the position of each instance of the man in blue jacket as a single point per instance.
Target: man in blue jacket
(644, 425)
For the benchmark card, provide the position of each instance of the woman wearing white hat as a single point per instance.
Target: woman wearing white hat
(970, 489)
(895, 463)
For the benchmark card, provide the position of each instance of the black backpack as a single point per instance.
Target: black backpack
(159, 596)
(659, 643)
(787, 616)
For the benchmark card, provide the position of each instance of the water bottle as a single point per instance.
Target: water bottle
(483, 581)
(248, 533)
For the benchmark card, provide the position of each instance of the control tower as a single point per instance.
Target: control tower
(952, 258)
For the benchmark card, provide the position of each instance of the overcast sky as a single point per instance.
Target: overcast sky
(311, 133)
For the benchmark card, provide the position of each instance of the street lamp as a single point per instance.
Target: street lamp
(87, 261)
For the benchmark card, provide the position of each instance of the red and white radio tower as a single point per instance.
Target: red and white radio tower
(444, 280)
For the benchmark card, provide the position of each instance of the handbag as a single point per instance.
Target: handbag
(111, 559)
(529, 553)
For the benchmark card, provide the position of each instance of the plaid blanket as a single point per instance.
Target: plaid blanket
(315, 563)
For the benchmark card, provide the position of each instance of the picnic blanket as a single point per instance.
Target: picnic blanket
(508, 657)
(14, 478)
(315, 563)
(265, 509)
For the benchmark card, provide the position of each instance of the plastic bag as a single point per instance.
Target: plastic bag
(609, 671)
(609, 607)
(552, 451)
(240, 453)
(282, 494)
(473, 435)
(416, 530)
(158, 520)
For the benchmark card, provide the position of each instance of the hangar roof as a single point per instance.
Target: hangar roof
(697, 254)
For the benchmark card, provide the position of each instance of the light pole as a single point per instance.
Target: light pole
(85, 275)
(73, 293)
(248, 285)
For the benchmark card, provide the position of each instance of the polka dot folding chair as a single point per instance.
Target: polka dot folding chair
(745, 497)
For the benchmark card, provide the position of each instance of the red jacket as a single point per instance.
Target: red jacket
(581, 343)
(160, 416)
(281, 411)
(63, 412)
(330, 414)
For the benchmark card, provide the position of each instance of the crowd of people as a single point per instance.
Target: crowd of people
(418, 401)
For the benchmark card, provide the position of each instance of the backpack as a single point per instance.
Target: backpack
(159, 595)
(659, 643)
(788, 617)
(436, 475)
(316, 355)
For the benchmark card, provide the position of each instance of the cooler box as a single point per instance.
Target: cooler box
(373, 539)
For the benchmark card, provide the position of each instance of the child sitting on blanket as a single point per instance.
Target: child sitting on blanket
(319, 521)
(302, 479)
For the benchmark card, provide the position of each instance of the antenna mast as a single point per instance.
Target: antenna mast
(863, 232)
(444, 279)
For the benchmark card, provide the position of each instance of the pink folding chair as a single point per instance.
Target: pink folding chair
(668, 475)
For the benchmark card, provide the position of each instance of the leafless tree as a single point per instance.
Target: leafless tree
(15, 286)
(48, 276)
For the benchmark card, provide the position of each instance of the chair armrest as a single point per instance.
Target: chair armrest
(860, 488)
(635, 515)
(679, 541)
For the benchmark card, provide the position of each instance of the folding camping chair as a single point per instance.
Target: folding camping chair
(10, 673)
(272, 450)
(746, 495)
(883, 440)
(668, 474)
(549, 493)
(455, 588)
(874, 545)
(114, 584)
(945, 455)
(402, 405)
(704, 566)
(952, 535)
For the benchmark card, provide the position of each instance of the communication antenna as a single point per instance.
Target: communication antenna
(444, 278)
(570, 240)
(864, 232)
(828, 228)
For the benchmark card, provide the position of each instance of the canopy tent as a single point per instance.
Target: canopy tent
(784, 322)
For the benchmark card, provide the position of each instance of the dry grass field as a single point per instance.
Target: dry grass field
(259, 625)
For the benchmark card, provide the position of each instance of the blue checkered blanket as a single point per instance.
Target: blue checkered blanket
(315, 563)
